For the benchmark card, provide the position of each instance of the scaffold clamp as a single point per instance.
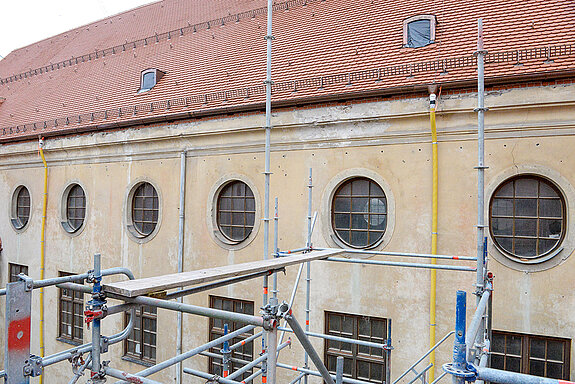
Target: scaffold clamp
(469, 374)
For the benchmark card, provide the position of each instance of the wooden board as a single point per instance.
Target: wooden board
(133, 288)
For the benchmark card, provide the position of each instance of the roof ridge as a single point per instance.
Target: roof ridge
(205, 25)
(515, 57)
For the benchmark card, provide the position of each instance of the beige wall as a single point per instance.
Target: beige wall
(525, 127)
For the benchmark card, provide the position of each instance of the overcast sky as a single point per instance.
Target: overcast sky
(25, 22)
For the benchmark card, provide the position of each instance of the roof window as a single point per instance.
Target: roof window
(419, 31)
(149, 79)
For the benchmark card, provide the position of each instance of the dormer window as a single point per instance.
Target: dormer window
(149, 78)
(419, 31)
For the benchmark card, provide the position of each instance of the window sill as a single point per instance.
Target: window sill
(138, 361)
(68, 341)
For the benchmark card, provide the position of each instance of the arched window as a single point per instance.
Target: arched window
(359, 212)
(527, 218)
(145, 209)
(236, 211)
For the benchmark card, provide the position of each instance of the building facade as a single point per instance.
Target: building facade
(351, 102)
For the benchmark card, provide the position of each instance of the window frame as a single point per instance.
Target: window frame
(525, 356)
(231, 211)
(355, 355)
(522, 259)
(65, 219)
(140, 314)
(74, 300)
(129, 202)
(333, 212)
(17, 224)
(157, 77)
(215, 332)
(432, 27)
(15, 269)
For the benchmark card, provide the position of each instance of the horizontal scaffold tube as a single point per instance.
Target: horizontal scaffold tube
(343, 339)
(127, 376)
(209, 376)
(506, 377)
(176, 359)
(314, 373)
(402, 264)
(402, 254)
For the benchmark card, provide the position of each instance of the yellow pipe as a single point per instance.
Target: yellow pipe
(43, 247)
(432, 299)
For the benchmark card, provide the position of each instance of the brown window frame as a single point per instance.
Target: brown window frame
(538, 257)
(139, 222)
(75, 212)
(358, 353)
(245, 352)
(353, 213)
(143, 312)
(14, 270)
(524, 355)
(225, 227)
(75, 299)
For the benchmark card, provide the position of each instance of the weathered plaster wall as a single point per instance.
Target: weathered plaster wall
(528, 126)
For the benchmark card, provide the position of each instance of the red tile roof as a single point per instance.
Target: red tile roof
(213, 53)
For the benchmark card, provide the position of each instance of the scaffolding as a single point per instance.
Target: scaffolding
(470, 351)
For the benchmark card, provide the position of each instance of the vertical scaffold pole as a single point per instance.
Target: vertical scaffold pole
(226, 354)
(459, 346)
(17, 333)
(276, 249)
(267, 173)
(309, 245)
(481, 244)
(96, 306)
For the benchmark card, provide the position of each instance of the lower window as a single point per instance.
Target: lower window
(362, 363)
(531, 354)
(246, 351)
(141, 344)
(15, 270)
(71, 314)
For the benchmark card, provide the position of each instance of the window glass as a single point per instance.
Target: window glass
(21, 210)
(359, 212)
(15, 270)
(148, 80)
(360, 362)
(145, 209)
(531, 354)
(141, 344)
(418, 33)
(244, 352)
(527, 217)
(236, 211)
(71, 315)
(75, 208)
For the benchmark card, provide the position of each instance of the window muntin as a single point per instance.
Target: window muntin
(141, 344)
(75, 208)
(527, 218)
(21, 207)
(236, 211)
(419, 31)
(246, 351)
(14, 270)
(359, 212)
(362, 363)
(531, 354)
(145, 209)
(71, 314)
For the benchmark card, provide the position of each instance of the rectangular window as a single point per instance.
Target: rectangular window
(531, 354)
(71, 314)
(362, 363)
(15, 270)
(141, 344)
(246, 351)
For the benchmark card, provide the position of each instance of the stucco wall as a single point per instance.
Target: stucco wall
(525, 127)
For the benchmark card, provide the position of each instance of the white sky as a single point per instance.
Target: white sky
(25, 22)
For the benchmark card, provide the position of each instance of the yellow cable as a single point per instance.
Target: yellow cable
(43, 248)
(432, 299)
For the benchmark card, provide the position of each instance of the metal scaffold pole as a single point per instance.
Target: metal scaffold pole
(309, 246)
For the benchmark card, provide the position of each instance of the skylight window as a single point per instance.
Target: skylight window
(419, 31)
(149, 79)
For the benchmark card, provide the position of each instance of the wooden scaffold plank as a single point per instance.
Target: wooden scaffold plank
(138, 287)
